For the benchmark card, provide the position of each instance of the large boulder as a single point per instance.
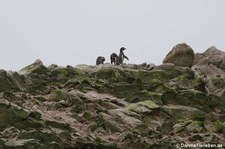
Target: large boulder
(180, 55)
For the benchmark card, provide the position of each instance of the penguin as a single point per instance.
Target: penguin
(121, 56)
(113, 58)
(100, 60)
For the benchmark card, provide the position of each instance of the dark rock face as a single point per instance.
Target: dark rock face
(5, 81)
(107, 106)
(180, 55)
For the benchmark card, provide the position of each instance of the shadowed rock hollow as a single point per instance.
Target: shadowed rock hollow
(110, 107)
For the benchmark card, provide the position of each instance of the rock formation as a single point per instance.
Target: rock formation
(108, 106)
(180, 55)
(210, 66)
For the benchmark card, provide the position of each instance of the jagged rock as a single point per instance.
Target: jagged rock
(196, 137)
(10, 115)
(180, 126)
(17, 80)
(180, 55)
(210, 66)
(106, 106)
(52, 66)
(5, 84)
(212, 56)
(195, 127)
(191, 98)
(144, 66)
(182, 112)
(142, 106)
(145, 95)
(37, 67)
(60, 73)
(123, 89)
(217, 126)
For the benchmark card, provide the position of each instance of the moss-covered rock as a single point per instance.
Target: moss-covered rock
(113, 74)
(37, 67)
(10, 114)
(145, 95)
(5, 82)
(45, 138)
(106, 122)
(182, 112)
(21, 143)
(60, 73)
(174, 71)
(107, 73)
(124, 116)
(148, 76)
(142, 106)
(36, 85)
(191, 98)
(180, 125)
(199, 84)
(17, 80)
(107, 106)
(218, 126)
(93, 142)
(216, 102)
(195, 127)
(123, 89)
(62, 95)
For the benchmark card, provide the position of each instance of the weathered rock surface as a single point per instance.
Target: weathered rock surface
(210, 66)
(106, 106)
(180, 55)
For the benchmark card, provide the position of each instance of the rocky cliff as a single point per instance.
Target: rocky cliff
(110, 107)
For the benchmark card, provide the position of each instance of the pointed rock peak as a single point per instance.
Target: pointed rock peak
(212, 47)
(38, 62)
(212, 51)
(36, 67)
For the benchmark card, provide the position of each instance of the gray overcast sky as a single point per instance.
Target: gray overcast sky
(71, 32)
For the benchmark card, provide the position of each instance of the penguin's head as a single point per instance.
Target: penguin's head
(122, 49)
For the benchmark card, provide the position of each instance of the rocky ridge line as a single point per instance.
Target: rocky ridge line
(105, 106)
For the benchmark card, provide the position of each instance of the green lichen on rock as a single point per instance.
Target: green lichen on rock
(145, 95)
(182, 112)
(106, 73)
(37, 67)
(189, 97)
(148, 76)
(60, 72)
(109, 106)
(10, 115)
(107, 123)
(142, 106)
(123, 89)
(218, 126)
(196, 127)
(5, 81)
